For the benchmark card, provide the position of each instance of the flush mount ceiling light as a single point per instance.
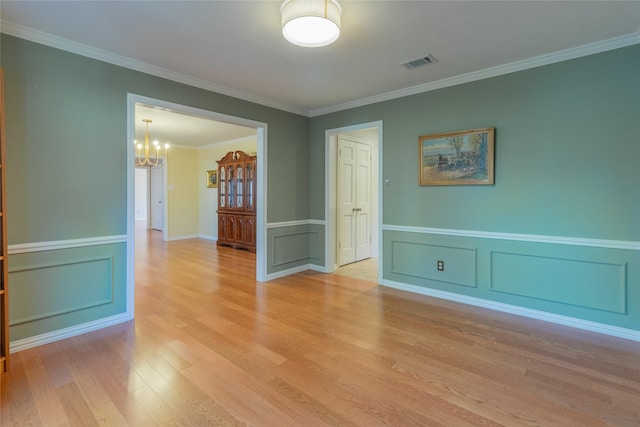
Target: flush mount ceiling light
(311, 23)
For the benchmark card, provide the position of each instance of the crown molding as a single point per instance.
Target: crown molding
(537, 61)
(67, 45)
(41, 37)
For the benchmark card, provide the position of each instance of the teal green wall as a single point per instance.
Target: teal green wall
(66, 118)
(566, 164)
(66, 132)
(567, 150)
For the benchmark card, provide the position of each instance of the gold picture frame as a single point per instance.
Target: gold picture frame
(212, 179)
(457, 158)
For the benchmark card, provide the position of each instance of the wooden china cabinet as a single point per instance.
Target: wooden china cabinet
(237, 201)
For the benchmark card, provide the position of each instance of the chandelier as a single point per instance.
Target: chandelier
(146, 160)
(311, 23)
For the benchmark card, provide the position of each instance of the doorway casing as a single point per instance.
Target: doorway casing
(261, 190)
(330, 193)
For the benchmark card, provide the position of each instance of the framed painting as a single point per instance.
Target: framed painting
(457, 158)
(212, 179)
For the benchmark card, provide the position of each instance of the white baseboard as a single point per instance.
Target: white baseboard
(320, 268)
(288, 272)
(587, 325)
(69, 332)
(189, 236)
(207, 237)
(313, 267)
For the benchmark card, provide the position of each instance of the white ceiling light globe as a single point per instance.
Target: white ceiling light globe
(311, 23)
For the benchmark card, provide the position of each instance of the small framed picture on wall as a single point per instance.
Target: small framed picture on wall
(212, 179)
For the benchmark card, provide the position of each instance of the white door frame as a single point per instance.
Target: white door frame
(261, 185)
(330, 193)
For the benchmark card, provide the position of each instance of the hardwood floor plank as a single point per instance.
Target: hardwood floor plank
(103, 408)
(47, 402)
(17, 405)
(211, 346)
(75, 406)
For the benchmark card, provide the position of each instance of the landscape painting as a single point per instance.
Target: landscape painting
(457, 158)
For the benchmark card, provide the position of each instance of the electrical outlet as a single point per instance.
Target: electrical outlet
(440, 265)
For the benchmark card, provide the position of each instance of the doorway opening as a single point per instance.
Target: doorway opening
(353, 200)
(149, 199)
(260, 130)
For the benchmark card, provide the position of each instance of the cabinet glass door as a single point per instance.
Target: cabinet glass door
(249, 172)
(222, 188)
(239, 187)
(232, 187)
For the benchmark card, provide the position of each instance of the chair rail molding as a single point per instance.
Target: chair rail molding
(22, 248)
(294, 223)
(558, 240)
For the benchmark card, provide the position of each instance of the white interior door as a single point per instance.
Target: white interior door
(346, 201)
(156, 195)
(363, 202)
(354, 201)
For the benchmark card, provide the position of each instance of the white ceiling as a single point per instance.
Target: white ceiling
(185, 130)
(236, 47)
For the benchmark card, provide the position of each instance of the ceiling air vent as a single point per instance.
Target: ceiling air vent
(415, 63)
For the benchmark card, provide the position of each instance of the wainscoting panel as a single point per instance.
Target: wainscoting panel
(589, 282)
(289, 246)
(419, 260)
(316, 244)
(594, 285)
(57, 289)
(287, 249)
(89, 280)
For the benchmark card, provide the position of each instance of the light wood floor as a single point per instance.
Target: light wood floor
(365, 270)
(211, 347)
